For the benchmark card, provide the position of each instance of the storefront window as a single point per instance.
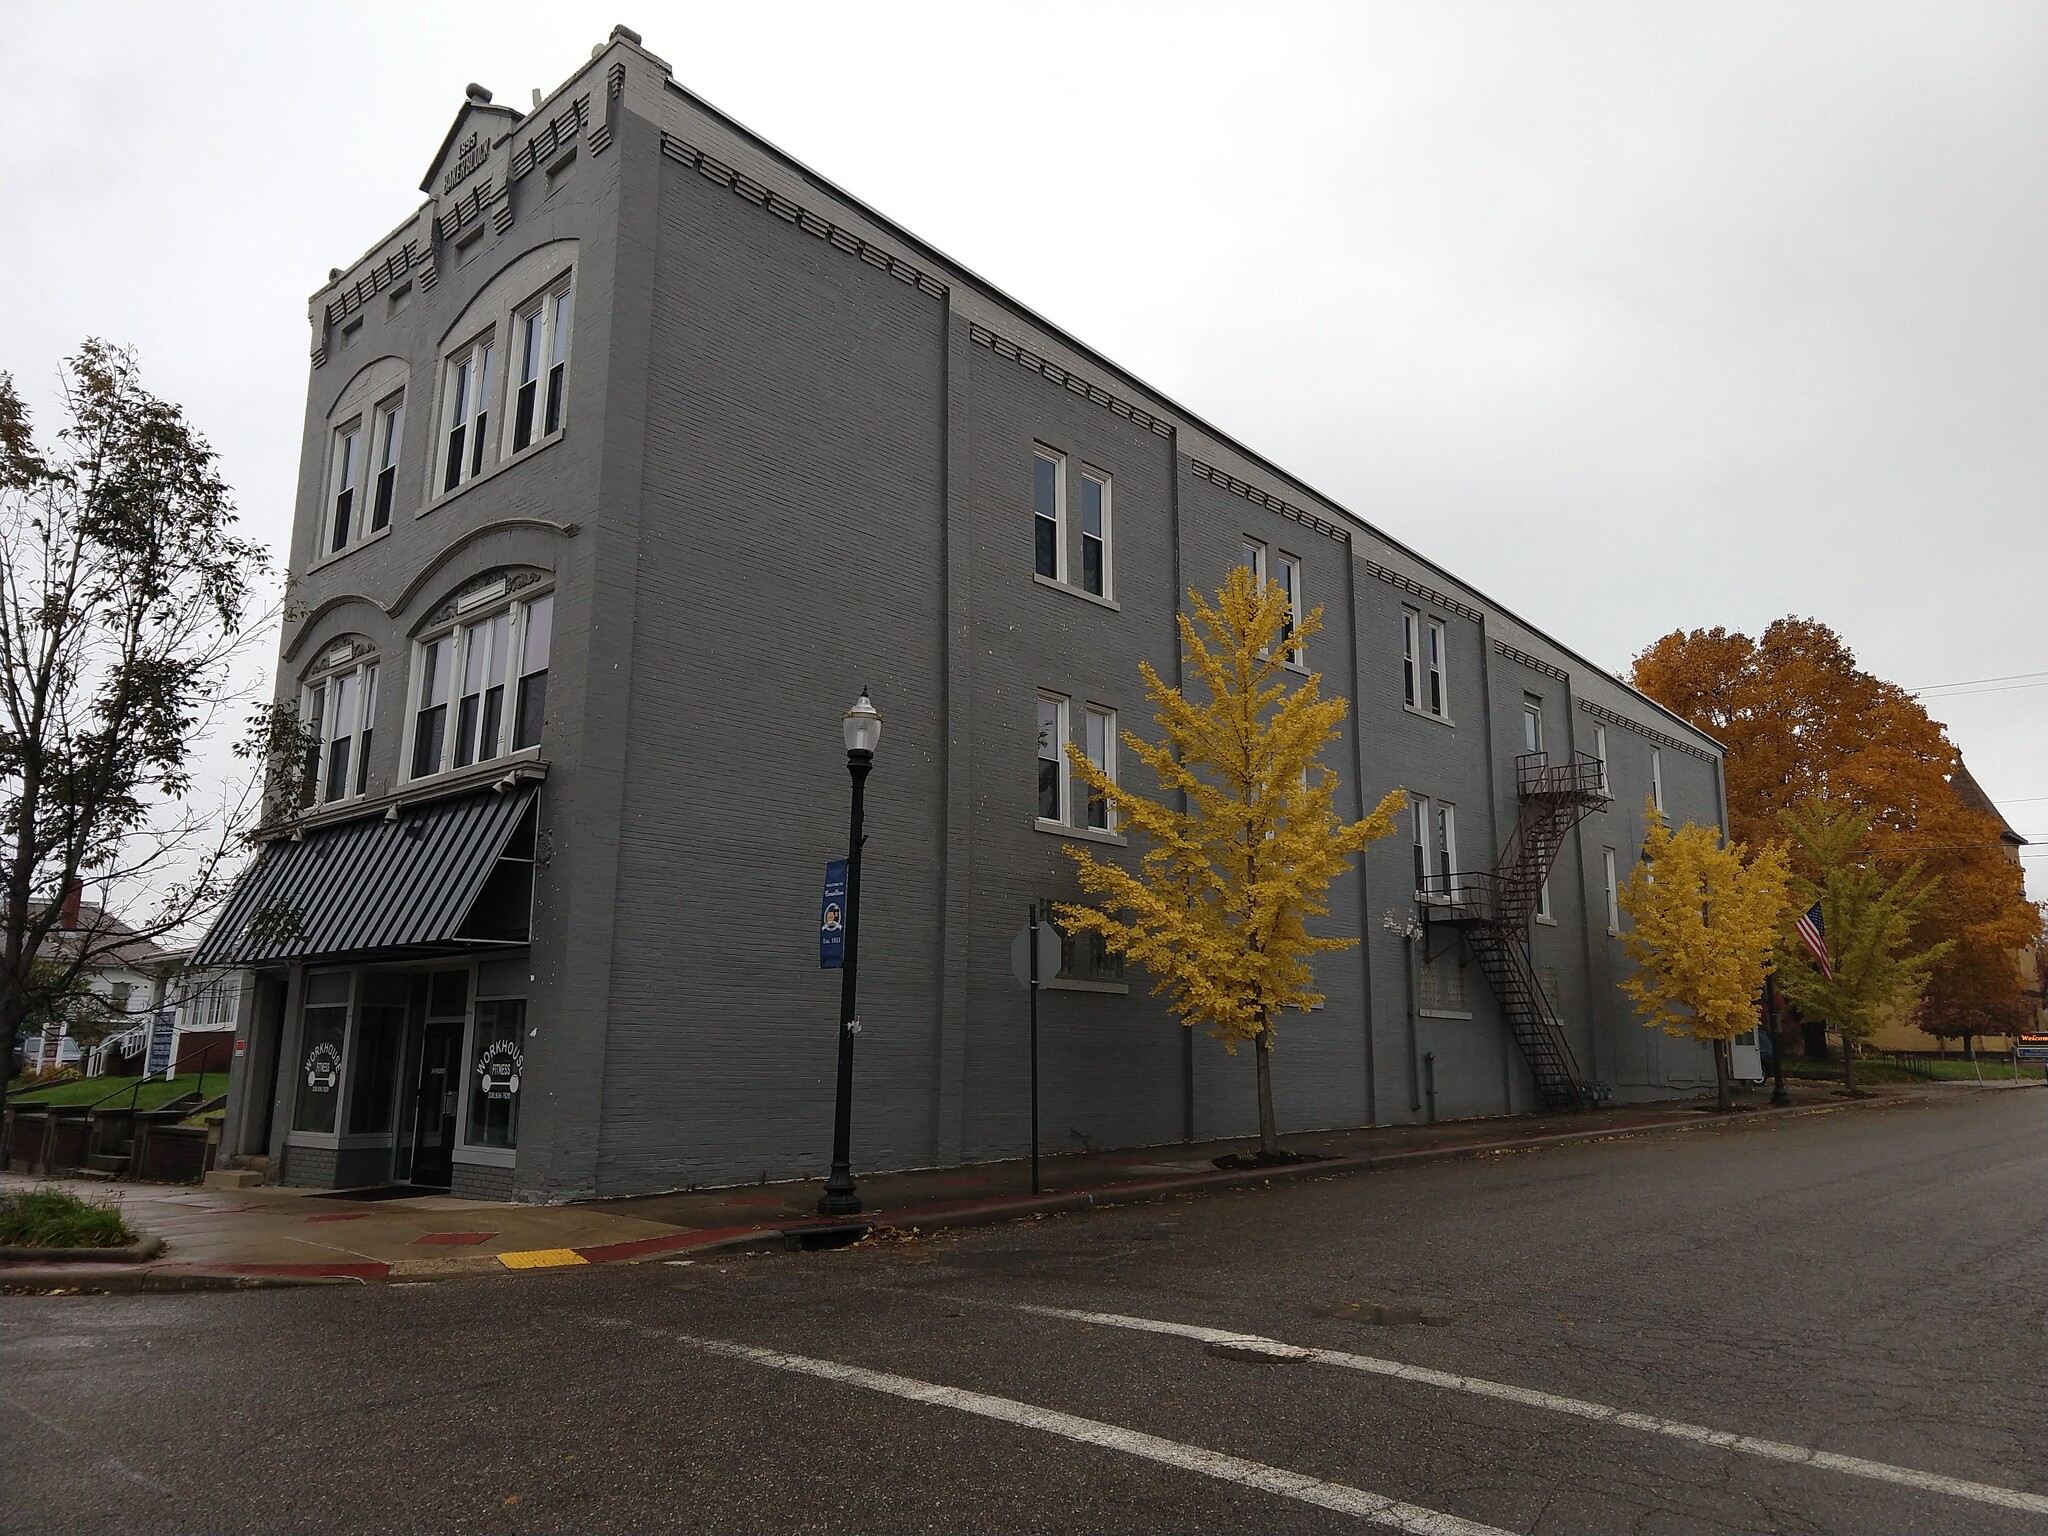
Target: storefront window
(494, 1070)
(380, 1044)
(320, 1049)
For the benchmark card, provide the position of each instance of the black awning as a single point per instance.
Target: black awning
(369, 886)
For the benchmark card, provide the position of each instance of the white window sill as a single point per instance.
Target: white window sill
(490, 471)
(490, 768)
(1075, 984)
(1086, 834)
(1300, 668)
(1548, 922)
(335, 555)
(1440, 1013)
(1423, 714)
(1080, 592)
(487, 1157)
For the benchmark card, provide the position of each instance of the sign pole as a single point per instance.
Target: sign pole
(1034, 1051)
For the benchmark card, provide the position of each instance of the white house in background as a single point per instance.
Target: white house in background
(123, 978)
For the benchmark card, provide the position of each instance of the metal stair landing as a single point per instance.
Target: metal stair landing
(1496, 907)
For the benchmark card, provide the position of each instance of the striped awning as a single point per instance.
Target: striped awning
(371, 886)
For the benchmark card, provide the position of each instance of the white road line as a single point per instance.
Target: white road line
(1189, 1458)
(1676, 1429)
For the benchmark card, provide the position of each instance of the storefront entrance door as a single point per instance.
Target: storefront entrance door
(433, 1137)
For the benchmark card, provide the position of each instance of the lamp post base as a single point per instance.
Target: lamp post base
(838, 1201)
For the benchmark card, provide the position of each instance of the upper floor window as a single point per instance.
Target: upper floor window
(339, 711)
(1532, 723)
(468, 392)
(1435, 827)
(465, 678)
(543, 332)
(1423, 654)
(1600, 754)
(1289, 577)
(1099, 742)
(347, 468)
(1049, 514)
(1052, 757)
(390, 433)
(1657, 778)
(1095, 532)
(1255, 562)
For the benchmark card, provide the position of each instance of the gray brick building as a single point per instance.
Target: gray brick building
(630, 457)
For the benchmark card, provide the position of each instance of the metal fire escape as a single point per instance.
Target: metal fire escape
(1495, 910)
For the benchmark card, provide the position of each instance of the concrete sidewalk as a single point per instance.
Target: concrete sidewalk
(272, 1236)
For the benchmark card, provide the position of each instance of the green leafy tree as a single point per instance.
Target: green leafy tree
(1243, 838)
(1868, 916)
(124, 601)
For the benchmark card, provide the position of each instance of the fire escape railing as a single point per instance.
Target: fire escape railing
(1496, 907)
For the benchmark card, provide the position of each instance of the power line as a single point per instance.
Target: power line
(1971, 682)
(1964, 693)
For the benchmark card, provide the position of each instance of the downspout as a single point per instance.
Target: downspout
(1413, 934)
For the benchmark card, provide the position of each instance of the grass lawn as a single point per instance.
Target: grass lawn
(90, 1090)
(1876, 1071)
(50, 1218)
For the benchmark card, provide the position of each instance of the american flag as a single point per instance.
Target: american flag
(1814, 936)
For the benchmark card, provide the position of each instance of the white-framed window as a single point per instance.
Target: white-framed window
(339, 709)
(1098, 740)
(1423, 686)
(1657, 778)
(1095, 532)
(1052, 758)
(1532, 723)
(1255, 561)
(541, 330)
(1446, 842)
(1436, 847)
(390, 424)
(1421, 822)
(464, 678)
(1600, 752)
(467, 418)
(346, 469)
(1543, 912)
(1049, 513)
(1613, 890)
(1289, 577)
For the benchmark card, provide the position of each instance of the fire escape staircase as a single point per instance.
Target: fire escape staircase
(1495, 910)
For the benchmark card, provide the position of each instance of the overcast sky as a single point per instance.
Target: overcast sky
(1636, 316)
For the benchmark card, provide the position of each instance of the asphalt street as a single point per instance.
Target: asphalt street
(1830, 1323)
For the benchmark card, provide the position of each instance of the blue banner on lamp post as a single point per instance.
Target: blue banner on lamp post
(832, 918)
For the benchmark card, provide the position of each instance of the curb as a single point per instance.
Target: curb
(140, 1276)
(141, 1251)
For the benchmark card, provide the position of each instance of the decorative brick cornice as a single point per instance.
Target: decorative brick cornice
(1502, 648)
(1599, 712)
(383, 275)
(802, 218)
(1430, 595)
(560, 132)
(1067, 379)
(471, 208)
(1270, 502)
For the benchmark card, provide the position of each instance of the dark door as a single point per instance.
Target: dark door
(433, 1136)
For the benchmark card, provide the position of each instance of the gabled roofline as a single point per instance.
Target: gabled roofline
(474, 99)
(1081, 348)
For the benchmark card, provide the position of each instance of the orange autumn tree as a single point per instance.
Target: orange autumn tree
(1242, 840)
(1802, 722)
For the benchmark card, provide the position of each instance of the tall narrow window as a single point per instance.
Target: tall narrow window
(1543, 901)
(1425, 819)
(369, 728)
(314, 719)
(430, 716)
(532, 350)
(1532, 723)
(534, 647)
(1049, 513)
(469, 412)
(346, 467)
(480, 711)
(1052, 761)
(1255, 562)
(1446, 843)
(1095, 533)
(1439, 702)
(1613, 891)
(390, 428)
(347, 701)
(1411, 658)
(1099, 742)
(558, 361)
(1600, 753)
(1290, 582)
(1657, 778)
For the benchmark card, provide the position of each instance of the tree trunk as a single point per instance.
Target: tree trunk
(1724, 1096)
(1269, 1134)
(1848, 1063)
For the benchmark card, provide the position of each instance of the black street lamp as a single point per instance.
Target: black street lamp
(862, 728)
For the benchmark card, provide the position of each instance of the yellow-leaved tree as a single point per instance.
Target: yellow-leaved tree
(1703, 923)
(1242, 840)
